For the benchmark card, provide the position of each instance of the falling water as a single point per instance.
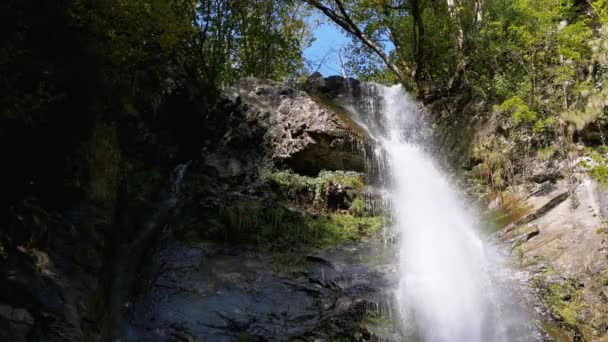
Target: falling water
(452, 284)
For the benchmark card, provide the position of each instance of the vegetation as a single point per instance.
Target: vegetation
(596, 162)
(534, 69)
(564, 300)
(99, 99)
(316, 190)
(273, 226)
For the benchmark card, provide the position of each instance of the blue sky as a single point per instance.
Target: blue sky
(328, 42)
(324, 51)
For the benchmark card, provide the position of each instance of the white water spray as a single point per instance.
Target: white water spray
(452, 283)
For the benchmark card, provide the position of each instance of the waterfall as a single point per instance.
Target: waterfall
(453, 285)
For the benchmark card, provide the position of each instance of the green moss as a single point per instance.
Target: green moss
(374, 318)
(565, 301)
(144, 184)
(604, 278)
(104, 163)
(557, 333)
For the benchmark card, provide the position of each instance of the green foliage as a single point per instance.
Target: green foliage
(358, 207)
(597, 163)
(251, 38)
(519, 110)
(316, 189)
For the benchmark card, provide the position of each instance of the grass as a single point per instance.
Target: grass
(251, 221)
(546, 153)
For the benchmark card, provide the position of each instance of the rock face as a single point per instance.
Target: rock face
(109, 273)
(292, 126)
(563, 244)
(216, 293)
(214, 277)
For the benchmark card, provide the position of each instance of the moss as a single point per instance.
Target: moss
(145, 184)
(565, 301)
(604, 278)
(601, 230)
(104, 163)
(557, 333)
(375, 318)
(520, 252)
(196, 292)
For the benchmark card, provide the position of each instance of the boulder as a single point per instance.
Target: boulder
(290, 126)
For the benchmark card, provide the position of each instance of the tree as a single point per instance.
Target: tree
(338, 13)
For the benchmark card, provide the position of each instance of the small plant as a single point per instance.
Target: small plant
(546, 153)
(597, 163)
(358, 206)
(518, 109)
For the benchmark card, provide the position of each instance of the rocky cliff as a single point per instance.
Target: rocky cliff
(266, 235)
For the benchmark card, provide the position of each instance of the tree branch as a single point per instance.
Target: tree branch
(343, 20)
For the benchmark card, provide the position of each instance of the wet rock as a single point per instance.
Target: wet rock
(562, 248)
(22, 316)
(6, 311)
(223, 166)
(219, 294)
(332, 87)
(321, 261)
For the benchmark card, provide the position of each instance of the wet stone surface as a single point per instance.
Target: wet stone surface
(212, 293)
